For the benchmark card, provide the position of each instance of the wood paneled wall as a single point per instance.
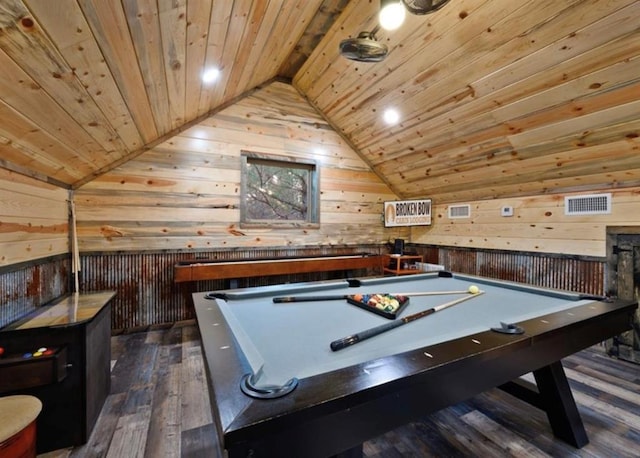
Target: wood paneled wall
(539, 224)
(33, 219)
(34, 244)
(185, 193)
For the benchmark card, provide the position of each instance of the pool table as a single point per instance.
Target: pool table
(338, 399)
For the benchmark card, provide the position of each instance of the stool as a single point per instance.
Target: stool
(18, 426)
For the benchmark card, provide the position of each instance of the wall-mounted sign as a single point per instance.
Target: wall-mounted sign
(407, 213)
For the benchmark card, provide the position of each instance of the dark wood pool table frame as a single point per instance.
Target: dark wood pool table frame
(334, 413)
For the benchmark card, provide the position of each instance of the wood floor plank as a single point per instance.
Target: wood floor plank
(190, 336)
(622, 370)
(159, 407)
(100, 440)
(128, 360)
(606, 409)
(163, 439)
(200, 443)
(130, 436)
(196, 408)
(511, 443)
(613, 443)
(623, 389)
(155, 337)
(467, 441)
(144, 373)
(511, 413)
(528, 422)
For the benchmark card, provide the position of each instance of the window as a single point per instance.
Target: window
(278, 192)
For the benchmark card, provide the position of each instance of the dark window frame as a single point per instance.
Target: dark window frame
(312, 220)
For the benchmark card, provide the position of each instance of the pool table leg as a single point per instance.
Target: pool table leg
(558, 402)
(552, 393)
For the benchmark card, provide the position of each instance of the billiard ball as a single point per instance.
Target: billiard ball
(473, 289)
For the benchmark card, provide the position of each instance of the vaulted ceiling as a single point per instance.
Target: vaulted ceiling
(496, 98)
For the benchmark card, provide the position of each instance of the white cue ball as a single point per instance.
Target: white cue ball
(473, 289)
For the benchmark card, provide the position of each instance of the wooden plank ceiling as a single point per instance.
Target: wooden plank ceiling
(496, 98)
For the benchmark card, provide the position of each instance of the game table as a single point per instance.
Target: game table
(341, 398)
(74, 380)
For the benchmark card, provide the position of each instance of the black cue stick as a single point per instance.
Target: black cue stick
(283, 299)
(280, 300)
(368, 333)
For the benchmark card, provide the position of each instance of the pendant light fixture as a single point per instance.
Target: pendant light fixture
(391, 14)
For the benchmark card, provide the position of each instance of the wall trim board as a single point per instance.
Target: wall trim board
(33, 262)
(195, 253)
(527, 253)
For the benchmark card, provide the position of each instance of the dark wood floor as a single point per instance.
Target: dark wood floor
(159, 407)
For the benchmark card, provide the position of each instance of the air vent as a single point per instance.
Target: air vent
(459, 211)
(592, 204)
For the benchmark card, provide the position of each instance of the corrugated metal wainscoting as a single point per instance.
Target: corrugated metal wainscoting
(31, 285)
(586, 275)
(147, 295)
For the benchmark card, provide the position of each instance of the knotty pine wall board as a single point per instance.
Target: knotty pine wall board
(185, 193)
(33, 219)
(538, 225)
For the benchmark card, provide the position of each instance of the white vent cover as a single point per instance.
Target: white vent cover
(459, 211)
(591, 204)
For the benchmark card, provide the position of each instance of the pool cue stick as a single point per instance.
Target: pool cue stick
(75, 256)
(368, 333)
(284, 299)
(278, 300)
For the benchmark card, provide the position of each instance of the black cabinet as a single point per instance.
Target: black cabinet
(77, 327)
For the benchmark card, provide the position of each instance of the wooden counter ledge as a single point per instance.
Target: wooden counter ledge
(74, 308)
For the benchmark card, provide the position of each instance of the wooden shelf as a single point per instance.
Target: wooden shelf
(400, 262)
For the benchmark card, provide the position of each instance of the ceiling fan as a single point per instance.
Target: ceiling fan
(420, 7)
(364, 48)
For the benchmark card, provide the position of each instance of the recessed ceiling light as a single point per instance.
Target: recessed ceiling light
(391, 116)
(391, 14)
(210, 75)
